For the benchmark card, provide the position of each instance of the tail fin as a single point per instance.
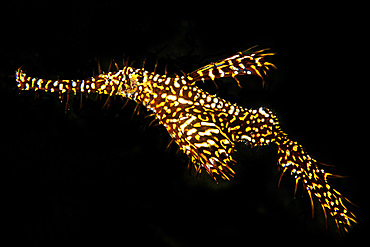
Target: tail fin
(294, 158)
(248, 62)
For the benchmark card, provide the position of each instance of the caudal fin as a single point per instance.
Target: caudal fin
(294, 159)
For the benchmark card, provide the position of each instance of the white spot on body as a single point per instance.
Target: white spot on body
(207, 124)
(231, 110)
(192, 131)
(263, 112)
(236, 111)
(198, 145)
(211, 75)
(186, 123)
(176, 83)
(167, 81)
(222, 73)
(82, 85)
(245, 137)
(211, 142)
(39, 81)
(184, 101)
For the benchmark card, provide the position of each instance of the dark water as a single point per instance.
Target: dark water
(105, 177)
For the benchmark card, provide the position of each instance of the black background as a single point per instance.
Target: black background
(105, 177)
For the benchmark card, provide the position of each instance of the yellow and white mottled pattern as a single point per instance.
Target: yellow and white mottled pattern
(207, 127)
